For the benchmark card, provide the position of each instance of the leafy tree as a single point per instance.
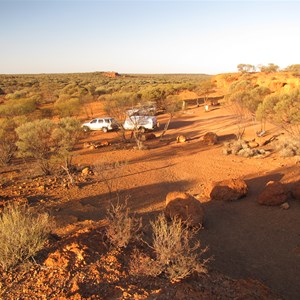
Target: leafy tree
(35, 141)
(245, 68)
(293, 68)
(172, 104)
(282, 109)
(205, 88)
(243, 100)
(157, 94)
(270, 68)
(48, 142)
(65, 135)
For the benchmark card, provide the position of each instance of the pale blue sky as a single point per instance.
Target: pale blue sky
(146, 36)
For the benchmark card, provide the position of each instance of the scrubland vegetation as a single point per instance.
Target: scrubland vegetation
(40, 123)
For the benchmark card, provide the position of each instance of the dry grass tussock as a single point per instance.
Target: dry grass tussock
(22, 234)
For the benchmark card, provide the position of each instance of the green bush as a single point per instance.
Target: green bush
(17, 107)
(22, 234)
(45, 140)
(67, 106)
(282, 109)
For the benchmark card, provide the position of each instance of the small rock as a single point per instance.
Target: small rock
(148, 136)
(253, 145)
(85, 171)
(86, 145)
(285, 205)
(210, 138)
(181, 139)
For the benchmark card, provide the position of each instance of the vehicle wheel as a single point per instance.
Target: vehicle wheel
(142, 129)
(104, 129)
(86, 129)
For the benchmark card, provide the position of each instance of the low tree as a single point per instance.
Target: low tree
(35, 141)
(293, 68)
(48, 142)
(245, 68)
(205, 88)
(65, 135)
(282, 109)
(270, 68)
(172, 104)
(116, 106)
(243, 101)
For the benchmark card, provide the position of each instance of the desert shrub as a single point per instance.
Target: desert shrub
(67, 106)
(35, 141)
(8, 138)
(288, 147)
(48, 142)
(17, 107)
(122, 227)
(175, 252)
(246, 152)
(65, 135)
(22, 234)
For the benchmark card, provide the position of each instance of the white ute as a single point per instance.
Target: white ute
(141, 123)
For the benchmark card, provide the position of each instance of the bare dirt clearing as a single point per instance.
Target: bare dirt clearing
(246, 240)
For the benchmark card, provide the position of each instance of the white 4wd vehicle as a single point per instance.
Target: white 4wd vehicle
(103, 124)
(141, 123)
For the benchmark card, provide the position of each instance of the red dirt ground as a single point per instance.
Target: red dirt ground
(245, 239)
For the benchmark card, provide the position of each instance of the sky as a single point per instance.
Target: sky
(145, 36)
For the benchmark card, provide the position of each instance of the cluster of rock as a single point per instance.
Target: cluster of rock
(189, 209)
(210, 138)
(244, 148)
(95, 145)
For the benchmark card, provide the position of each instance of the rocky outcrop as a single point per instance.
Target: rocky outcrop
(273, 194)
(186, 207)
